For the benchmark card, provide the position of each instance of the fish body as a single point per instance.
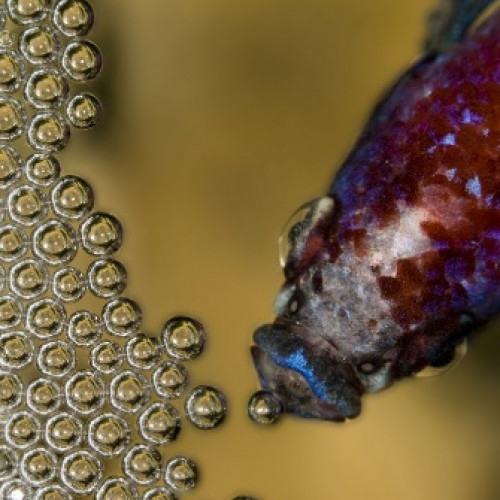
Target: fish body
(400, 262)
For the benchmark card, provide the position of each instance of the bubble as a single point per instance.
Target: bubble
(101, 234)
(15, 489)
(8, 463)
(46, 88)
(48, 132)
(143, 352)
(142, 464)
(28, 279)
(13, 243)
(84, 328)
(106, 357)
(45, 318)
(52, 492)
(108, 435)
(72, 198)
(55, 359)
(16, 350)
(85, 392)
(107, 278)
(63, 432)
(42, 169)
(27, 11)
(26, 205)
(69, 284)
(81, 472)
(160, 423)
(117, 488)
(206, 407)
(122, 317)
(159, 494)
(170, 379)
(55, 242)
(183, 337)
(6, 38)
(39, 45)
(22, 430)
(43, 396)
(129, 392)
(81, 60)
(10, 312)
(181, 473)
(11, 71)
(264, 408)
(10, 166)
(12, 119)
(38, 466)
(11, 391)
(84, 110)
(73, 17)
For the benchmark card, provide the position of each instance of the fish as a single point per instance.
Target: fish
(398, 264)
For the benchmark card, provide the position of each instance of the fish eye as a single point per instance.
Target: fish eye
(296, 301)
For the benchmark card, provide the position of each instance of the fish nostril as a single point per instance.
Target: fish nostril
(296, 301)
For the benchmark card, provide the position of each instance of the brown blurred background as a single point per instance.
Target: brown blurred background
(221, 118)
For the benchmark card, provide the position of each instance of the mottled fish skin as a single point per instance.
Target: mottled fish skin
(400, 262)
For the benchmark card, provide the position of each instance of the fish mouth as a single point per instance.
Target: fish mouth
(305, 373)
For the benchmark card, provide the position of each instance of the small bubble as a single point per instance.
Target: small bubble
(159, 494)
(26, 205)
(11, 391)
(6, 38)
(48, 132)
(143, 352)
(27, 11)
(22, 430)
(101, 234)
(38, 466)
(55, 242)
(16, 350)
(45, 88)
(63, 432)
(15, 489)
(159, 423)
(11, 71)
(39, 45)
(85, 392)
(84, 328)
(42, 169)
(122, 317)
(73, 17)
(129, 392)
(117, 488)
(10, 312)
(108, 435)
(81, 472)
(52, 492)
(81, 60)
(106, 357)
(12, 119)
(69, 284)
(84, 110)
(107, 278)
(183, 337)
(8, 463)
(142, 464)
(170, 379)
(28, 279)
(45, 318)
(43, 396)
(55, 359)
(72, 198)
(10, 166)
(264, 408)
(206, 407)
(181, 473)
(13, 243)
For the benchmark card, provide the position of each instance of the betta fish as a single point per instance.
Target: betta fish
(398, 264)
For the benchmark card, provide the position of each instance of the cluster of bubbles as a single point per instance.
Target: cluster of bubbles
(79, 388)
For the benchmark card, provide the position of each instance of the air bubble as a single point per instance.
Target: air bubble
(15, 489)
(48, 132)
(183, 337)
(107, 278)
(16, 350)
(142, 464)
(85, 393)
(170, 379)
(264, 408)
(10, 312)
(39, 45)
(84, 110)
(181, 473)
(159, 494)
(11, 390)
(28, 279)
(84, 328)
(52, 492)
(13, 243)
(117, 488)
(26, 205)
(55, 359)
(38, 466)
(10, 166)
(73, 17)
(45, 318)
(206, 407)
(81, 472)
(42, 169)
(27, 11)
(101, 234)
(72, 198)
(46, 88)
(6, 38)
(11, 71)
(129, 392)
(106, 357)
(55, 242)
(69, 284)
(81, 60)
(43, 396)
(22, 430)
(108, 435)
(8, 463)
(63, 432)
(12, 119)
(143, 352)
(160, 423)
(122, 317)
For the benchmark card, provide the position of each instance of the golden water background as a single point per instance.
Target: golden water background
(222, 117)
